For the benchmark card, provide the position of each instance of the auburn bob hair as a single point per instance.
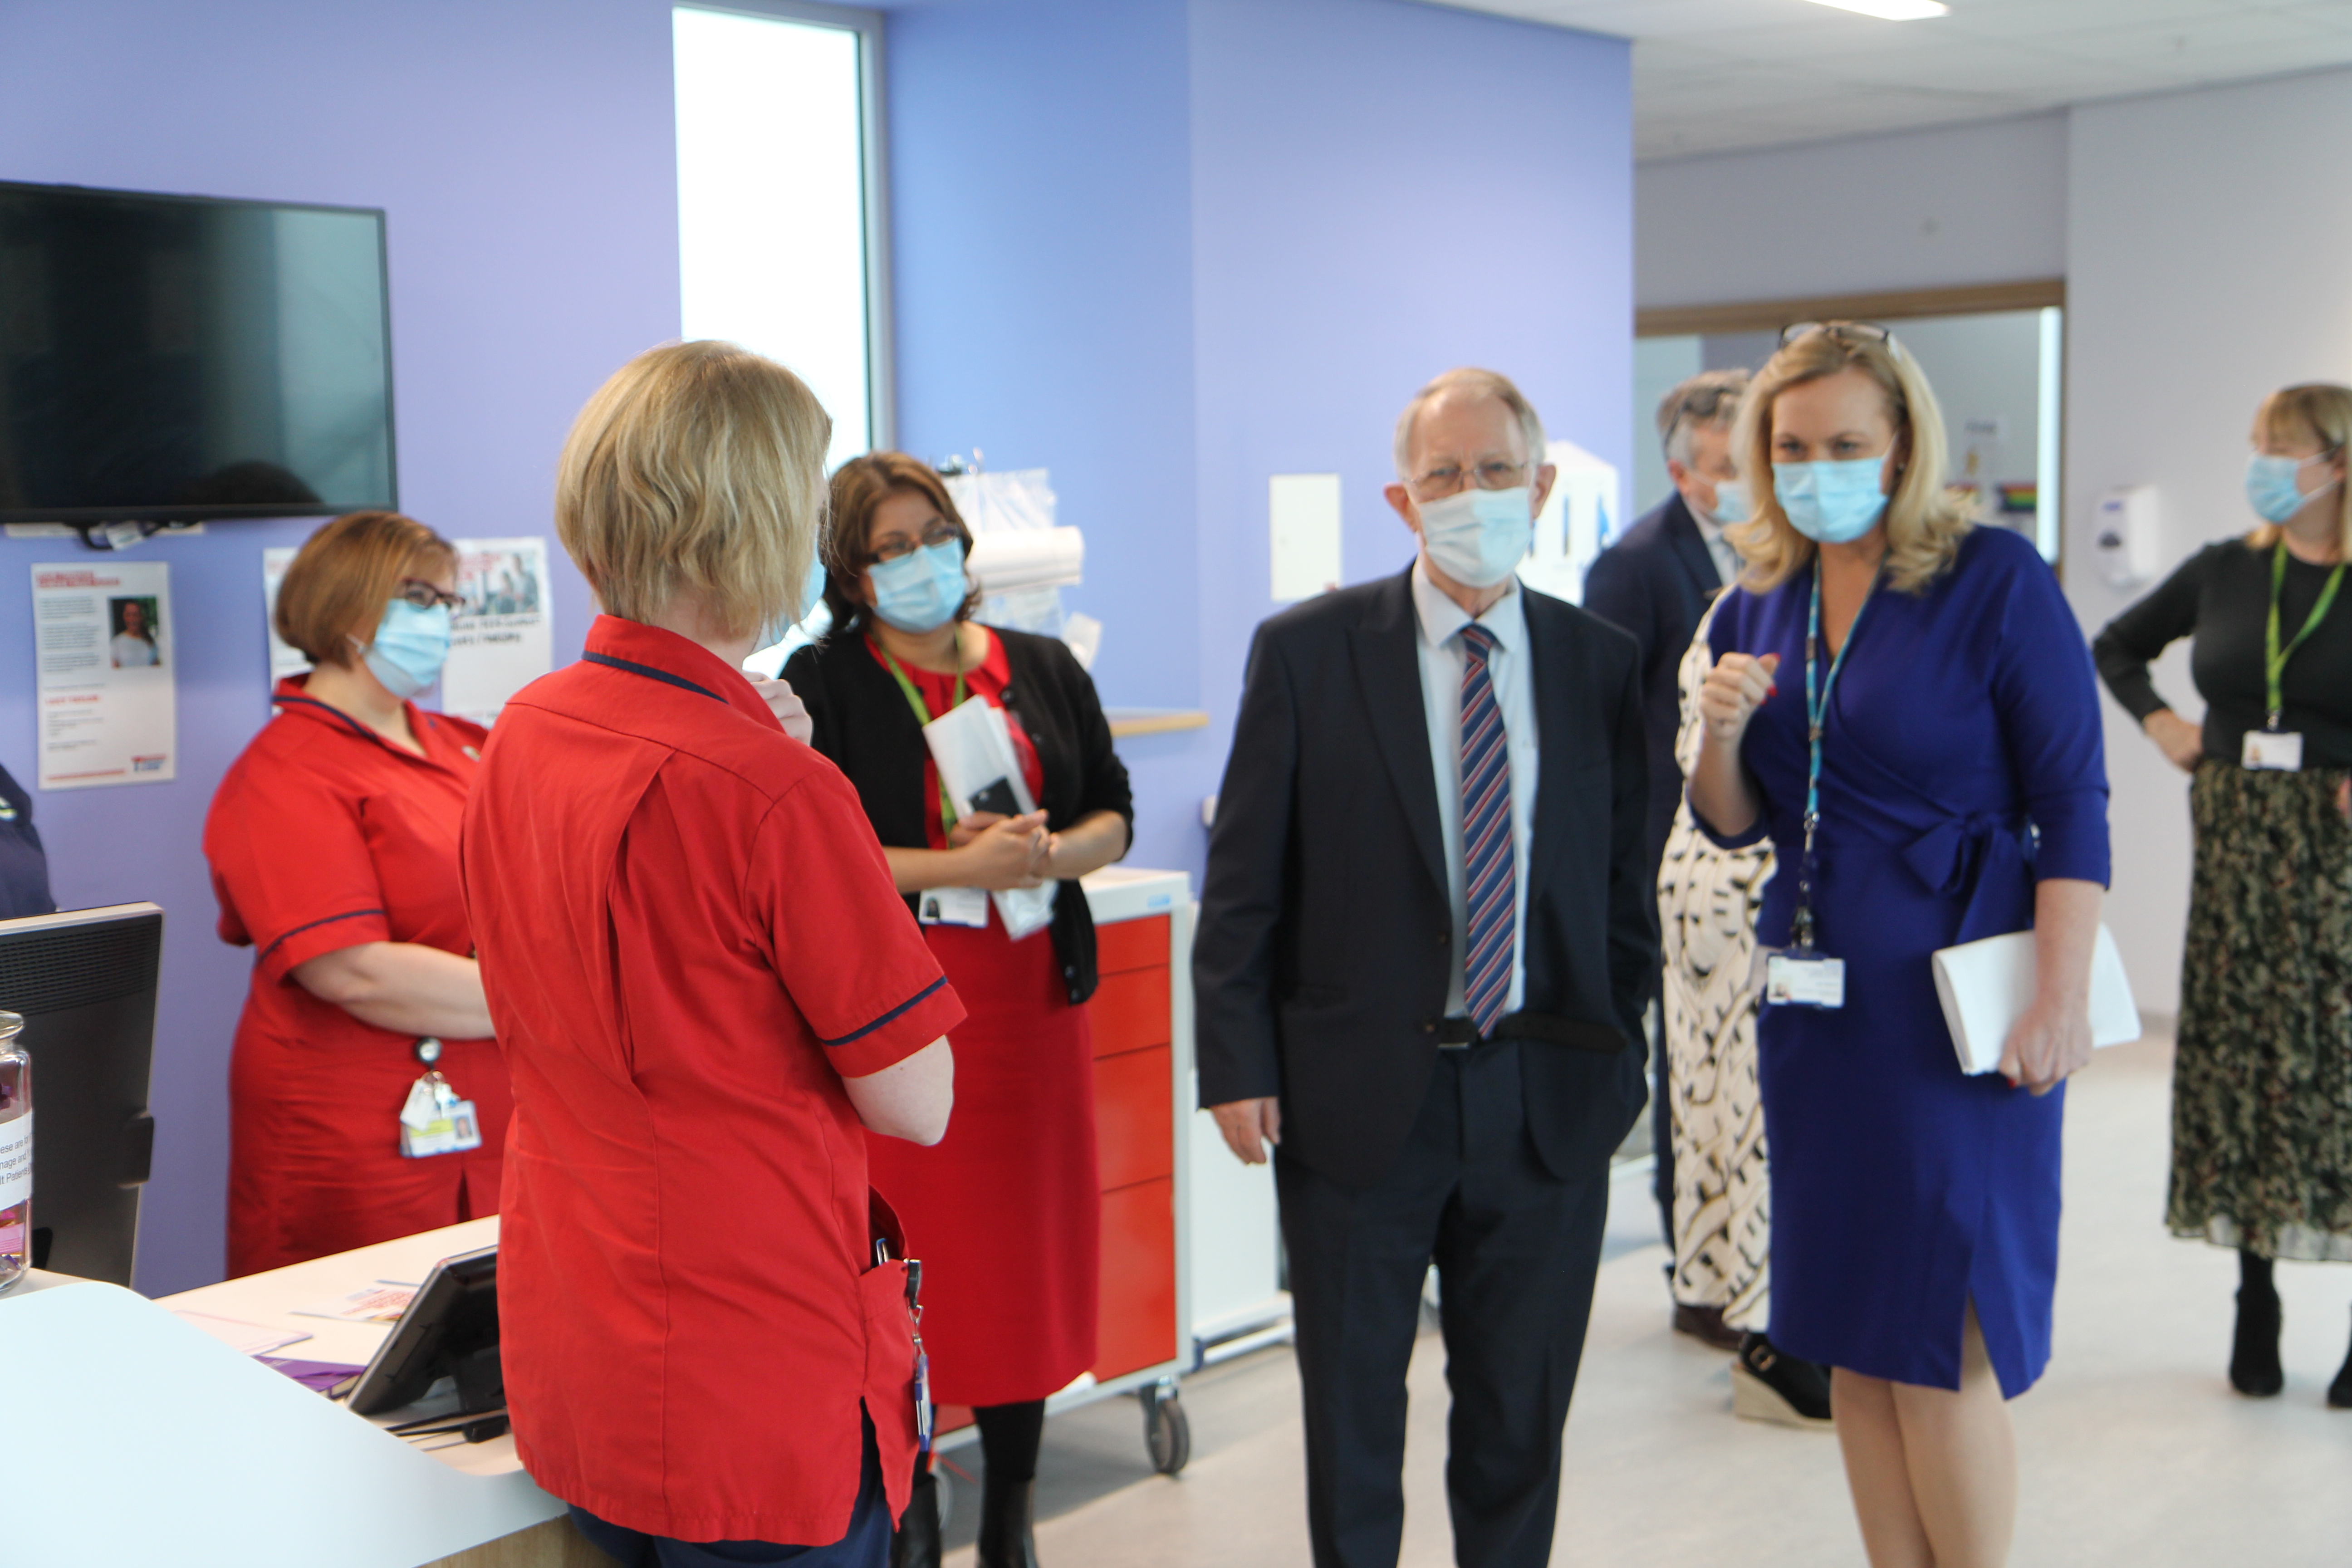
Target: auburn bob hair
(339, 584)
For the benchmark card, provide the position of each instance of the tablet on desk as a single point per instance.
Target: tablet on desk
(450, 1328)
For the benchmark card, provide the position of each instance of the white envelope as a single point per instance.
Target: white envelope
(973, 748)
(1986, 986)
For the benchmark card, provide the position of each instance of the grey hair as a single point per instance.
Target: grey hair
(1478, 383)
(1707, 400)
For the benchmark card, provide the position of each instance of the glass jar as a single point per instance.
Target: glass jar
(16, 1153)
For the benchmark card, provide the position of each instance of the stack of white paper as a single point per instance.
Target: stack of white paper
(1984, 986)
(1030, 558)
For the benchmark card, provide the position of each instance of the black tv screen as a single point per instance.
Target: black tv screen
(178, 358)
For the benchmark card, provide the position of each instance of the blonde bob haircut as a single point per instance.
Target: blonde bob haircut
(2315, 411)
(338, 585)
(1925, 521)
(699, 467)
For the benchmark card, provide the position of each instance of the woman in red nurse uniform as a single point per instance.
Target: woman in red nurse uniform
(704, 982)
(333, 845)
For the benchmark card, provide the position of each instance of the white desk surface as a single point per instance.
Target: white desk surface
(269, 1299)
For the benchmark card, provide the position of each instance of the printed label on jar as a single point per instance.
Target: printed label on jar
(15, 1160)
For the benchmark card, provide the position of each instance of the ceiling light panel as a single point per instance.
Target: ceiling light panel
(1891, 10)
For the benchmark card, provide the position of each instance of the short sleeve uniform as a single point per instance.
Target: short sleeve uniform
(1961, 763)
(323, 835)
(690, 938)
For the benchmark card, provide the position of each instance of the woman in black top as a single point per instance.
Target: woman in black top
(1005, 1210)
(2262, 1102)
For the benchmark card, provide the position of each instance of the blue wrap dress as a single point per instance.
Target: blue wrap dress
(1961, 761)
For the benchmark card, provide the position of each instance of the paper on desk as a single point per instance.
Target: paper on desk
(377, 1303)
(319, 1376)
(251, 1339)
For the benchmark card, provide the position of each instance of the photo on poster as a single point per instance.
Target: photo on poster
(500, 637)
(134, 619)
(108, 699)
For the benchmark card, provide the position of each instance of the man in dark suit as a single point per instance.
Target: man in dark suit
(1655, 582)
(1425, 944)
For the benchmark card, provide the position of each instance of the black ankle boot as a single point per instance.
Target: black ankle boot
(2254, 1353)
(2339, 1393)
(916, 1543)
(1006, 1516)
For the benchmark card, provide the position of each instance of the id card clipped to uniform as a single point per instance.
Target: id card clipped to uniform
(435, 1120)
(1803, 979)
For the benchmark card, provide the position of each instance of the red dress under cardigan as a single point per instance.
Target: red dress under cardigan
(1006, 1210)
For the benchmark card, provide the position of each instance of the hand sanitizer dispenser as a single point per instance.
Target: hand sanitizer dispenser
(2124, 536)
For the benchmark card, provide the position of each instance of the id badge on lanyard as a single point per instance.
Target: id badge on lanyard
(1801, 975)
(2271, 748)
(435, 1120)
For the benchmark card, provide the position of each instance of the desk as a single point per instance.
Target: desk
(137, 1438)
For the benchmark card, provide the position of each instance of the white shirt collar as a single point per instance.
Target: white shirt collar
(1442, 618)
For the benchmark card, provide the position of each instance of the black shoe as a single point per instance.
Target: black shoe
(1006, 1518)
(1705, 1324)
(2339, 1393)
(2254, 1353)
(916, 1543)
(1767, 1385)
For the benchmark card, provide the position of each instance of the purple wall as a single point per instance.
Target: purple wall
(525, 155)
(1164, 247)
(1190, 244)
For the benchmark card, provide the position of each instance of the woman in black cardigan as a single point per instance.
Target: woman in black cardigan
(1004, 1210)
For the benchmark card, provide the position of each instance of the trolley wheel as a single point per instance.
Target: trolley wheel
(1167, 1430)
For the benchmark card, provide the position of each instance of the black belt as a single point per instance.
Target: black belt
(1457, 1034)
(1460, 1034)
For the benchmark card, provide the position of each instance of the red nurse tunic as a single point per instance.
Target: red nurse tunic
(1006, 1210)
(689, 937)
(323, 835)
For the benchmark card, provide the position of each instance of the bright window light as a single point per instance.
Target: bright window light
(2049, 430)
(772, 202)
(1891, 10)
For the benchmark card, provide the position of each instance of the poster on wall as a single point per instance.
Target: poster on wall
(285, 658)
(107, 673)
(500, 637)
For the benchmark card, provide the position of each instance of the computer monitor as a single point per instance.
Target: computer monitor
(84, 981)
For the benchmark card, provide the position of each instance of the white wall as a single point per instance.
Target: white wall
(2205, 266)
(1972, 204)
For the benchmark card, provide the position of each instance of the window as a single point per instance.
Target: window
(779, 199)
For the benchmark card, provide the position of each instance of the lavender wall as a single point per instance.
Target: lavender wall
(524, 154)
(1165, 248)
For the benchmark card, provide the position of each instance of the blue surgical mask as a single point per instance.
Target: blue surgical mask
(1831, 502)
(920, 591)
(410, 648)
(1732, 505)
(1480, 537)
(776, 629)
(2271, 487)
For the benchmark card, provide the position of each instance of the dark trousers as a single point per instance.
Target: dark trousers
(1516, 1250)
(867, 1544)
(1661, 1130)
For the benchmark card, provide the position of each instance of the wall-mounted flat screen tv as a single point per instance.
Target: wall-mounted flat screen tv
(169, 359)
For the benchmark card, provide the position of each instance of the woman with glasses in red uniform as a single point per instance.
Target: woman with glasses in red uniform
(367, 1100)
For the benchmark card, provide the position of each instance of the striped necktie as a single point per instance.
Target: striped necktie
(1489, 880)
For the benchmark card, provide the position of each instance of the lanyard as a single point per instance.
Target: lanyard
(923, 716)
(2275, 657)
(1817, 708)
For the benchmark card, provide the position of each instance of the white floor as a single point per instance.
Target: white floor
(2135, 1450)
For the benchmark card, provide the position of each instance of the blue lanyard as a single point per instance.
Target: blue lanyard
(1817, 710)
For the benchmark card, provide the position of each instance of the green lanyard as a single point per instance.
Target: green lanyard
(923, 716)
(2275, 655)
(1817, 712)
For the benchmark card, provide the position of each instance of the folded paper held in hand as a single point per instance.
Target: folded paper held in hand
(1986, 986)
(973, 749)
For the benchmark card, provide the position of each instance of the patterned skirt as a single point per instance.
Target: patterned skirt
(1708, 901)
(2262, 1080)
